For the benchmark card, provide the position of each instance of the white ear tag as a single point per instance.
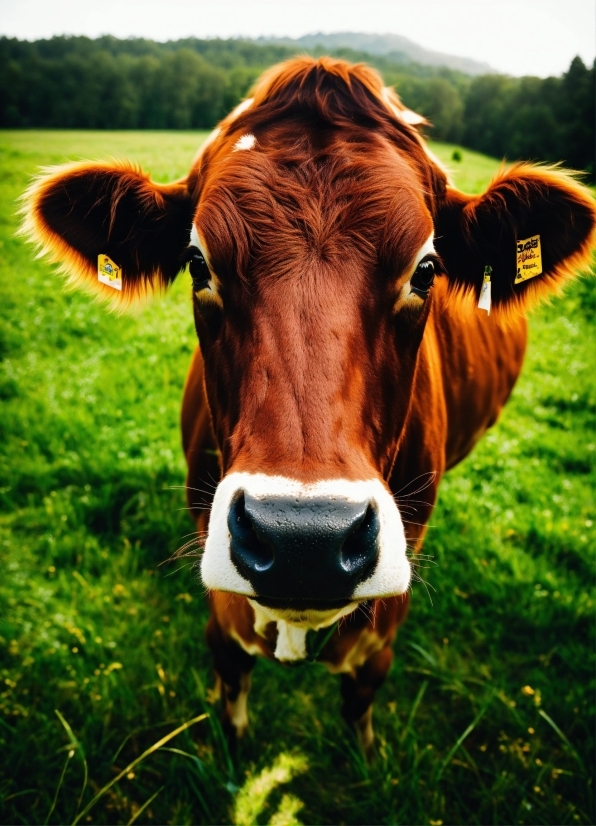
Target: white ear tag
(108, 272)
(484, 300)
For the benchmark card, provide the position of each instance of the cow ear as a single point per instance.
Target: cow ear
(543, 207)
(112, 230)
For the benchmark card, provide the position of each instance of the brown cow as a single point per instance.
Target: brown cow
(343, 358)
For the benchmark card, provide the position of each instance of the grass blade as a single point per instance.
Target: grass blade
(413, 710)
(428, 657)
(201, 769)
(53, 806)
(136, 762)
(20, 794)
(75, 744)
(462, 737)
(139, 730)
(216, 730)
(563, 737)
(144, 806)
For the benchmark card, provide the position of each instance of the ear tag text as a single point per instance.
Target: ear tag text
(108, 272)
(485, 291)
(529, 259)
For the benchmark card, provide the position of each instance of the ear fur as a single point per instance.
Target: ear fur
(76, 212)
(522, 201)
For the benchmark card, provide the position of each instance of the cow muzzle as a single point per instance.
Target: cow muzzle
(305, 547)
(311, 552)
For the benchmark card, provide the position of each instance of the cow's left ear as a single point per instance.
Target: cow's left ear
(113, 230)
(534, 227)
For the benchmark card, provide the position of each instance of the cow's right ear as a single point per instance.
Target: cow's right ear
(113, 230)
(534, 227)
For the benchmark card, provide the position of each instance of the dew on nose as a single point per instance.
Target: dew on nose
(316, 550)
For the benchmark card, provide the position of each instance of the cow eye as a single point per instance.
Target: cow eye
(423, 278)
(199, 271)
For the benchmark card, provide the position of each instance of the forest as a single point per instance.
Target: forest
(107, 83)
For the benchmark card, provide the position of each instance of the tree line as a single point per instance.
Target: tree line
(107, 83)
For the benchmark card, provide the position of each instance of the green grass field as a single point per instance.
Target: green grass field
(488, 712)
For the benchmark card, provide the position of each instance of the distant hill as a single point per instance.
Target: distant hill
(80, 83)
(393, 46)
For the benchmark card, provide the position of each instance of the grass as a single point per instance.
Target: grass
(473, 172)
(488, 712)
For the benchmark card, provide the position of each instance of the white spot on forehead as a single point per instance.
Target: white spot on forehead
(247, 141)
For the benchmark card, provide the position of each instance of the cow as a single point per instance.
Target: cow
(361, 324)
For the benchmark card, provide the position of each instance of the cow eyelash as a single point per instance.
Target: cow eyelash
(199, 271)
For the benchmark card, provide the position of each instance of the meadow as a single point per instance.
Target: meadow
(488, 712)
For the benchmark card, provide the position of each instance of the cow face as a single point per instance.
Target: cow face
(315, 223)
(320, 263)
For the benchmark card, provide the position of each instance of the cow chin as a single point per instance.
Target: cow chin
(307, 554)
(311, 619)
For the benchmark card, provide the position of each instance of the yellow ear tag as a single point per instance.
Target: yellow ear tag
(485, 291)
(108, 272)
(529, 259)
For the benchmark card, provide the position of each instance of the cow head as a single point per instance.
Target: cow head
(315, 223)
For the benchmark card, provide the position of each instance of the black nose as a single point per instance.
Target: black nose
(314, 551)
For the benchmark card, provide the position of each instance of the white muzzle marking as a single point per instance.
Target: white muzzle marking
(390, 577)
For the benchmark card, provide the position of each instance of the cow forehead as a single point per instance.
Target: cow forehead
(310, 202)
(364, 164)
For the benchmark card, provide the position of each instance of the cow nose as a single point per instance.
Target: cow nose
(315, 551)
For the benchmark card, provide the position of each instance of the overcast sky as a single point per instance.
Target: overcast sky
(537, 37)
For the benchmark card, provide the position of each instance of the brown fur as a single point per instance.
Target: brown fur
(312, 364)
(76, 212)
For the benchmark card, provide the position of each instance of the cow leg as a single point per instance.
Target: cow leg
(233, 668)
(358, 693)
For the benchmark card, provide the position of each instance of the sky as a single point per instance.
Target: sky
(538, 37)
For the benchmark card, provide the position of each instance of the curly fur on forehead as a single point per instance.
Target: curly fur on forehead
(333, 88)
(322, 96)
(284, 209)
(324, 176)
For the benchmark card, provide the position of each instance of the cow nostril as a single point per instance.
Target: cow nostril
(360, 549)
(248, 552)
